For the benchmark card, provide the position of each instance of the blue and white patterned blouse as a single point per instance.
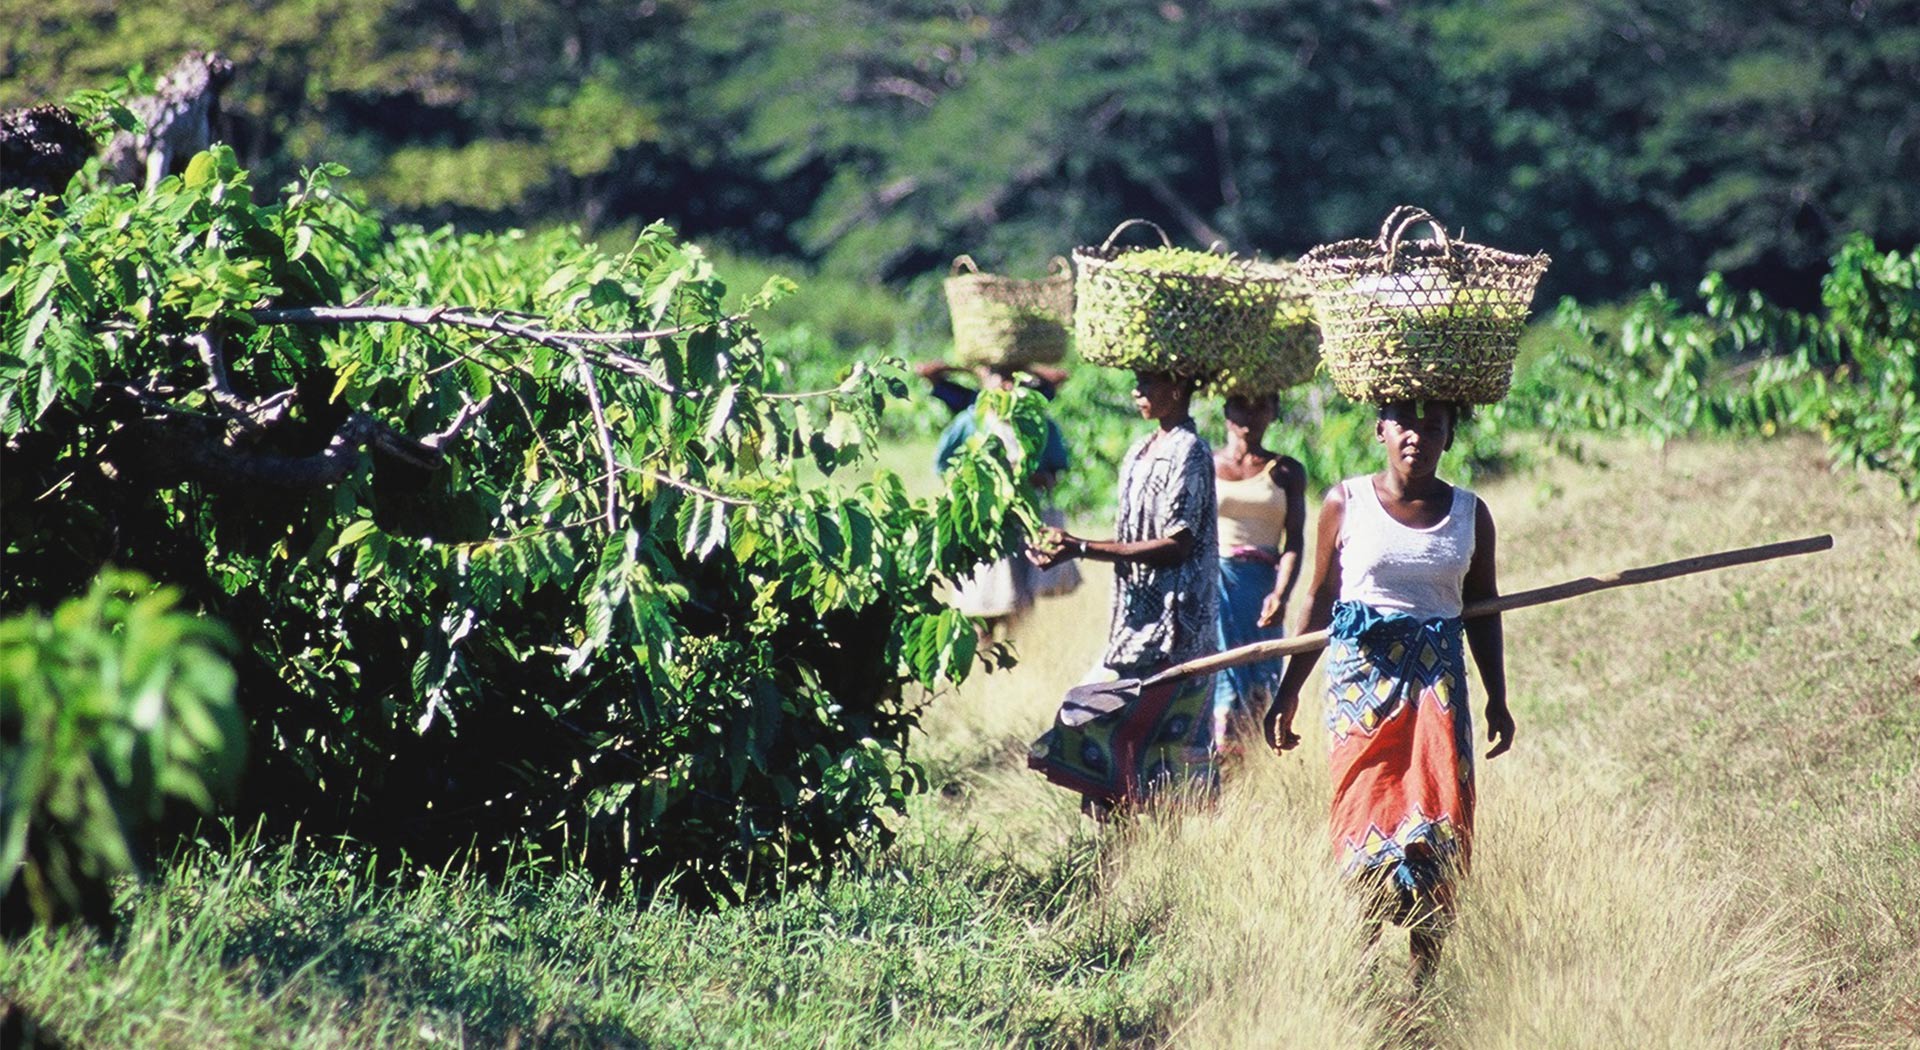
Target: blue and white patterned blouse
(1165, 614)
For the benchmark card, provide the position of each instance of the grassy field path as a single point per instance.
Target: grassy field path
(1708, 833)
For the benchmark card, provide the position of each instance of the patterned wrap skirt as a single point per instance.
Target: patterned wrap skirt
(1401, 758)
(1126, 741)
(1246, 578)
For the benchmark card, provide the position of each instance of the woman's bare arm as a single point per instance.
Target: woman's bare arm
(1485, 635)
(1054, 546)
(1324, 591)
(1292, 479)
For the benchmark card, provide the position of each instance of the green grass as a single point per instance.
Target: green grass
(301, 945)
(1705, 837)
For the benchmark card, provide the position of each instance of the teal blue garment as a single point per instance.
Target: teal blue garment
(1248, 689)
(1053, 457)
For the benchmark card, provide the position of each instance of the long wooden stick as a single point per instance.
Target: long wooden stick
(1258, 651)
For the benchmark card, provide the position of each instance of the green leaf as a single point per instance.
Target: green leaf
(200, 171)
(352, 534)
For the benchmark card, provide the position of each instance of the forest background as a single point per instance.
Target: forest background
(1636, 142)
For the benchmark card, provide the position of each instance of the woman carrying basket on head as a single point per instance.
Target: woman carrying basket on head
(1164, 601)
(1422, 329)
(1399, 553)
(1262, 502)
(1008, 331)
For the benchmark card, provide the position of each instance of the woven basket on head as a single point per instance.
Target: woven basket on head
(1437, 319)
(1167, 309)
(1009, 321)
(1290, 352)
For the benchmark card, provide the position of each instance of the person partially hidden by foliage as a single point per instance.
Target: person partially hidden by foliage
(1165, 594)
(1399, 555)
(958, 397)
(1004, 589)
(1262, 500)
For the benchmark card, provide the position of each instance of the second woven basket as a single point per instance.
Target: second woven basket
(1167, 309)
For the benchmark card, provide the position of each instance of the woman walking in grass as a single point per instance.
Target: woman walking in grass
(1263, 508)
(1399, 555)
(1165, 593)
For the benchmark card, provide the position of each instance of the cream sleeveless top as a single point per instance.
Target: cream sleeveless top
(1397, 568)
(1253, 512)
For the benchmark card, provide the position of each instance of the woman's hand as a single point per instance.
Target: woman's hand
(1499, 729)
(1279, 722)
(1272, 611)
(1053, 546)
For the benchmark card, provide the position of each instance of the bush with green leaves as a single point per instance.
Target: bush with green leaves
(1741, 364)
(114, 710)
(509, 527)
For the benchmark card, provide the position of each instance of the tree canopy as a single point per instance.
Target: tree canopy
(1634, 140)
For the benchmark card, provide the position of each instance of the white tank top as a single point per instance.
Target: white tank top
(1398, 568)
(1253, 512)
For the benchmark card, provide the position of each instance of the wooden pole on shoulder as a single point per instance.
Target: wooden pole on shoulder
(1258, 651)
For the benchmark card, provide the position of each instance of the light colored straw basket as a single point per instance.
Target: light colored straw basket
(1167, 309)
(1435, 319)
(1291, 351)
(1009, 321)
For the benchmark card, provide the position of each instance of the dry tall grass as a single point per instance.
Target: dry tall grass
(1701, 840)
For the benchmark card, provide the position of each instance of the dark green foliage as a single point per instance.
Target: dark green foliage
(456, 628)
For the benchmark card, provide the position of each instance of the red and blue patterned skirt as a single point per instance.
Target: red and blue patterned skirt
(1401, 757)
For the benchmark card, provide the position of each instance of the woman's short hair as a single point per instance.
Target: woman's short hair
(1460, 410)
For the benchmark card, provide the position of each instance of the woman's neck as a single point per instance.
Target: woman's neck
(1245, 445)
(1406, 486)
(1174, 420)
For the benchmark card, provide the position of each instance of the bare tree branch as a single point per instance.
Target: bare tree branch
(249, 417)
(593, 344)
(183, 445)
(468, 412)
(606, 441)
(207, 345)
(688, 486)
(901, 87)
(465, 317)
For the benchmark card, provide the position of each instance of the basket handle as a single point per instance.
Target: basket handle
(959, 261)
(1395, 227)
(1058, 266)
(1164, 239)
